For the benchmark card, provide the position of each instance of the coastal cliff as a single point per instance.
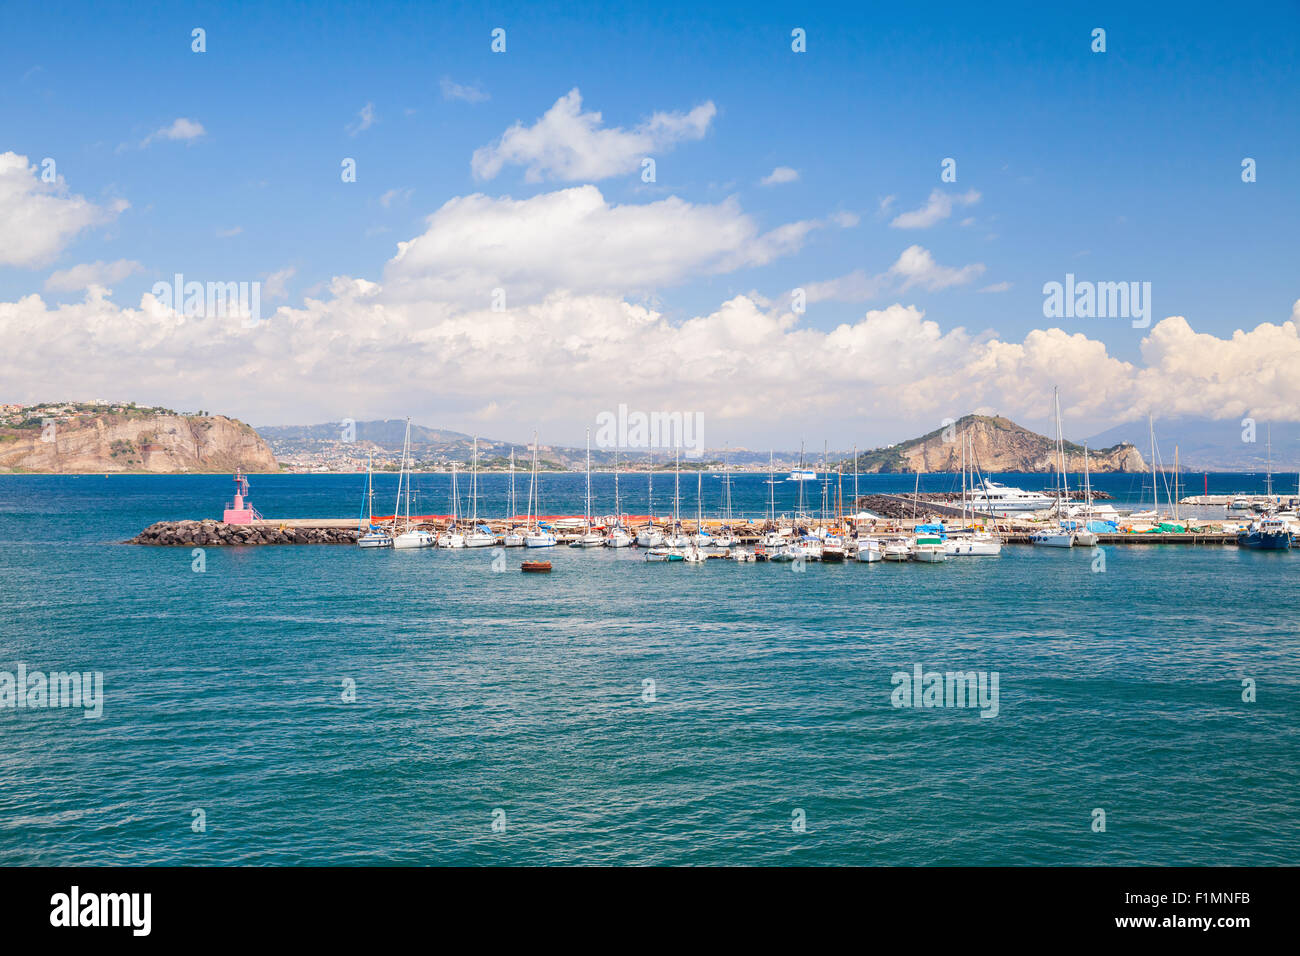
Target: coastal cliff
(999, 445)
(131, 440)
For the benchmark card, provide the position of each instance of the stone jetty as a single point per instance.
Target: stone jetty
(209, 533)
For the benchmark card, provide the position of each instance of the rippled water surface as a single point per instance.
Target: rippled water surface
(479, 691)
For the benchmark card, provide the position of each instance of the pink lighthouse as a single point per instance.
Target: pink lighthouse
(240, 511)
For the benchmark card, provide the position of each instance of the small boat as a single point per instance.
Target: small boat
(414, 539)
(374, 537)
(695, 556)
(649, 537)
(900, 549)
(451, 538)
(664, 554)
(410, 537)
(539, 539)
(619, 538)
(740, 554)
(928, 549)
(1053, 538)
(868, 551)
(1240, 504)
(480, 537)
(1266, 534)
(513, 539)
(536, 567)
(833, 548)
(588, 539)
(976, 543)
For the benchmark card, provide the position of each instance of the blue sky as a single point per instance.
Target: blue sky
(1123, 165)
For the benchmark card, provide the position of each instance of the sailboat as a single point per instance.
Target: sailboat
(453, 537)
(675, 538)
(373, 537)
(514, 538)
(1060, 536)
(590, 537)
(773, 538)
(726, 538)
(970, 541)
(618, 536)
(649, 536)
(535, 536)
(479, 535)
(1085, 537)
(695, 554)
(410, 536)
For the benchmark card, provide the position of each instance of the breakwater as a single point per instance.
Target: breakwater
(210, 533)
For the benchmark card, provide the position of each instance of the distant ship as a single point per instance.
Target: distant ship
(1266, 534)
(802, 475)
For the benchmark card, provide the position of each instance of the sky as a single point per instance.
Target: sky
(799, 266)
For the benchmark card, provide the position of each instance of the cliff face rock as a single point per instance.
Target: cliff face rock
(147, 443)
(999, 445)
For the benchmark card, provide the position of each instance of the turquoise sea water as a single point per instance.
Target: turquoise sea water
(479, 691)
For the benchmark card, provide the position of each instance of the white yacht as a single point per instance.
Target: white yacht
(868, 551)
(996, 498)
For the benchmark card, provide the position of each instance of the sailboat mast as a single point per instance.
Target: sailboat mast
(513, 506)
(1155, 489)
(473, 487)
(771, 486)
(677, 490)
(618, 515)
(589, 479)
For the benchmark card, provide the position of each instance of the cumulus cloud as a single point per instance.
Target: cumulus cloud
(938, 207)
(567, 144)
(574, 239)
(996, 287)
(471, 93)
(181, 130)
(349, 353)
(38, 219)
(782, 174)
(914, 267)
(91, 274)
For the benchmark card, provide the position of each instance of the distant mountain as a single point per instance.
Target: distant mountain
(999, 445)
(1207, 445)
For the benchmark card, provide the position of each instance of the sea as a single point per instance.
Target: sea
(330, 706)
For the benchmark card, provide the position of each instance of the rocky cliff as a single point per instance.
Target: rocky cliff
(1000, 445)
(159, 443)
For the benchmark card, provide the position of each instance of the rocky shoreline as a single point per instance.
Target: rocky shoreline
(211, 533)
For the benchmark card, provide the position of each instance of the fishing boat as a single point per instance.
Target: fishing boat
(535, 534)
(833, 549)
(590, 537)
(535, 567)
(410, 537)
(1266, 534)
(373, 536)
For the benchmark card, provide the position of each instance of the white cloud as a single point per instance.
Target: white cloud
(782, 174)
(915, 266)
(395, 195)
(471, 93)
(229, 233)
(574, 239)
(938, 207)
(996, 287)
(366, 118)
(569, 145)
(38, 220)
(181, 130)
(91, 274)
(845, 220)
(276, 285)
(347, 355)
